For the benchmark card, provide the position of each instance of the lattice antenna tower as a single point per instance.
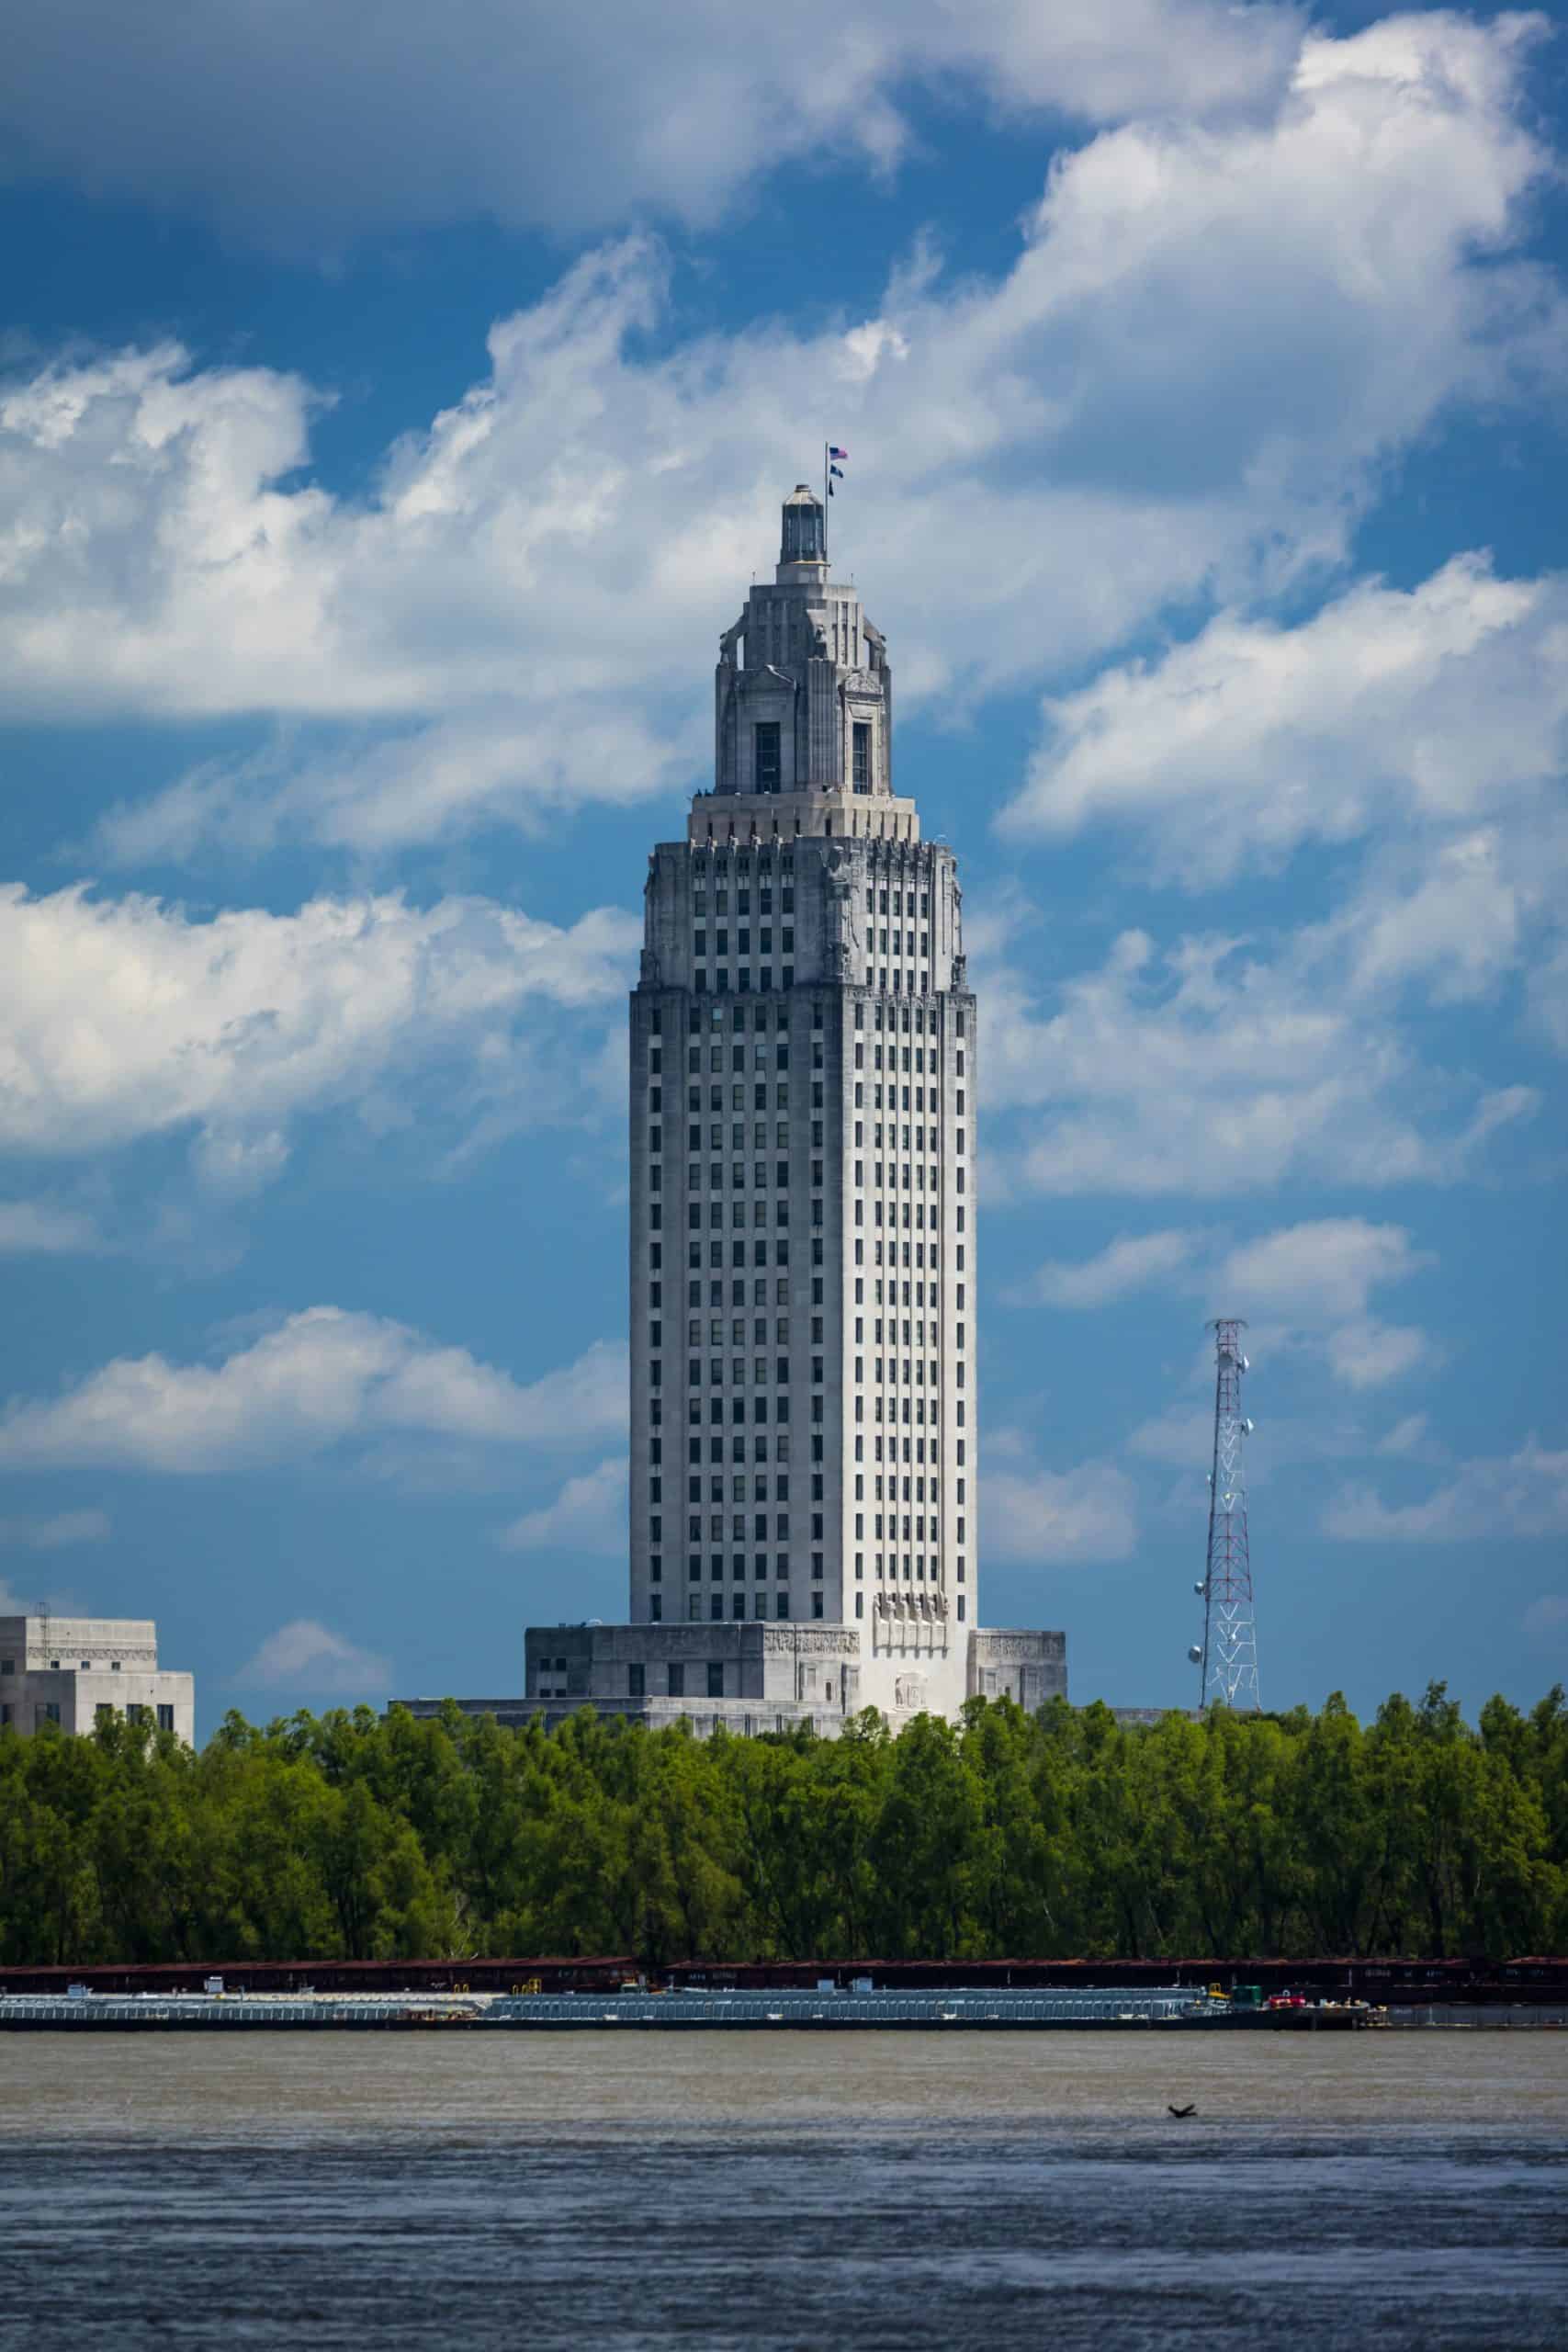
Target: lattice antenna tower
(1227, 1662)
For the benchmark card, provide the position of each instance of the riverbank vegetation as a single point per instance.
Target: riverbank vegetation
(349, 1834)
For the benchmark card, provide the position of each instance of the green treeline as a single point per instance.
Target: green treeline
(1059, 1835)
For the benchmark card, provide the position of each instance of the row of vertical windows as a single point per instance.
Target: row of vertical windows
(742, 898)
(740, 1017)
(736, 1332)
(738, 1606)
(744, 980)
(742, 944)
(739, 1490)
(718, 856)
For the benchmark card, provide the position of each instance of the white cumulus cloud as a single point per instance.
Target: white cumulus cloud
(1312, 1283)
(128, 1017)
(1215, 1067)
(1131, 1262)
(304, 1656)
(1436, 703)
(319, 1380)
(588, 1515)
(293, 129)
(1319, 1271)
(506, 616)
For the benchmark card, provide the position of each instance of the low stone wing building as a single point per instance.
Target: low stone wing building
(79, 1671)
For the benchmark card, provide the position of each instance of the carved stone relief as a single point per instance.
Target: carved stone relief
(835, 1641)
(1025, 1649)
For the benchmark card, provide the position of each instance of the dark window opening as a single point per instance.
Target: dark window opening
(861, 757)
(768, 766)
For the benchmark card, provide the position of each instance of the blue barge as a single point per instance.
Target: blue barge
(837, 2009)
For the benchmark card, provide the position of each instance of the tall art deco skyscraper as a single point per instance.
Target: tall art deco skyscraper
(804, 1065)
(803, 1069)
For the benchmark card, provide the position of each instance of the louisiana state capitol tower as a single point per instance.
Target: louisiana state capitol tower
(804, 1476)
(804, 1070)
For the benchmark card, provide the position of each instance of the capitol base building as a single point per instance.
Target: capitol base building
(805, 1536)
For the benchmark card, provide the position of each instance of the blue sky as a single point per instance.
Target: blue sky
(387, 432)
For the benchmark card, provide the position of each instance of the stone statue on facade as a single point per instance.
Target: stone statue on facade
(842, 928)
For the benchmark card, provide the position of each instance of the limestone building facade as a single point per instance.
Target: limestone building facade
(75, 1671)
(806, 1067)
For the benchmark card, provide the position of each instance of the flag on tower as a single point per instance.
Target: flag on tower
(831, 471)
(837, 453)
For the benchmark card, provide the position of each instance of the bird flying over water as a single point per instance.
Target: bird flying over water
(1182, 2113)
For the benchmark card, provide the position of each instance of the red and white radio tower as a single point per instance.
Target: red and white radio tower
(1228, 1659)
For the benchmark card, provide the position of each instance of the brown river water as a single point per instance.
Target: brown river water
(781, 2191)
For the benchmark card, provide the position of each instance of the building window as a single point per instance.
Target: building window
(677, 1681)
(961, 1609)
(656, 1607)
(817, 1604)
(861, 757)
(636, 1676)
(715, 1677)
(767, 772)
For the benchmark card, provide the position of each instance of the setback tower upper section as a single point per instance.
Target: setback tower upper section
(803, 694)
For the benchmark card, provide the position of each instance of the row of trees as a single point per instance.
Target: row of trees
(1009, 1836)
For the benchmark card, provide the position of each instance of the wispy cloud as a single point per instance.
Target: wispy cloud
(41, 1229)
(1316, 1280)
(1039, 1518)
(305, 1656)
(1517, 1495)
(1131, 1262)
(588, 1515)
(58, 1533)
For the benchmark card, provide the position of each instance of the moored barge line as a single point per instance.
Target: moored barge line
(1170, 2007)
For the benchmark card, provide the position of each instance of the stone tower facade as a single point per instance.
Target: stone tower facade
(803, 1071)
(804, 1077)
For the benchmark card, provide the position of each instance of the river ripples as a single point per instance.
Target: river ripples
(774, 2191)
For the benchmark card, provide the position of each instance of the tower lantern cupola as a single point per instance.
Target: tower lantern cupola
(805, 537)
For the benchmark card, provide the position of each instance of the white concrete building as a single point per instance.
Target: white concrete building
(804, 1065)
(805, 1079)
(77, 1671)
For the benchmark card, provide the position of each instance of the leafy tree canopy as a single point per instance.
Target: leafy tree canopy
(1061, 1835)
